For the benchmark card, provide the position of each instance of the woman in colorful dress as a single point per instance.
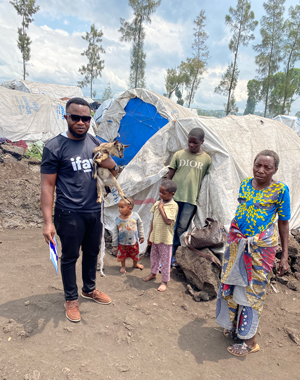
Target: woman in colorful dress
(250, 252)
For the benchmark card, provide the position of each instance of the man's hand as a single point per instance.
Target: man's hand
(49, 232)
(141, 240)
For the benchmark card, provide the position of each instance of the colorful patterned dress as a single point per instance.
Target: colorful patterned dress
(249, 256)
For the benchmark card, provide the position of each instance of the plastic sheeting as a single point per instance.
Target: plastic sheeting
(102, 109)
(291, 121)
(232, 143)
(31, 117)
(135, 116)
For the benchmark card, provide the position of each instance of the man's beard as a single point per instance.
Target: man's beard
(77, 135)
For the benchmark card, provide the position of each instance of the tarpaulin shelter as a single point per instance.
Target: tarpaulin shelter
(291, 121)
(31, 117)
(232, 142)
(135, 116)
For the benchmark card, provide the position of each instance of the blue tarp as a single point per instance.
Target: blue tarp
(140, 123)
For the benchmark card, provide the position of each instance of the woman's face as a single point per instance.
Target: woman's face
(264, 169)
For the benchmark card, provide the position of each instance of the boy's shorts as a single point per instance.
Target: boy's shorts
(131, 251)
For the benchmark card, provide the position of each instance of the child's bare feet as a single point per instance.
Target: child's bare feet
(123, 270)
(136, 265)
(162, 287)
(150, 276)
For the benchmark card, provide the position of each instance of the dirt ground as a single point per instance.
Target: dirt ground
(143, 334)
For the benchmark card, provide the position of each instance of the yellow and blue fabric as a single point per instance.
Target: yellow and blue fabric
(249, 256)
(258, 208)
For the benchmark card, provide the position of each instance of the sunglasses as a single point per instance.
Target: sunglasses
(76, 118)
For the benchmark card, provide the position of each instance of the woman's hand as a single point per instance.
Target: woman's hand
(283, 266)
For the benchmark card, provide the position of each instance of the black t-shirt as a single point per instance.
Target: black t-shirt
(76, 189)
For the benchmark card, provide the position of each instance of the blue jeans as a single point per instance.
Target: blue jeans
(186, 211)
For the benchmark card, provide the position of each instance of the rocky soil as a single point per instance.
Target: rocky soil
(143, 333)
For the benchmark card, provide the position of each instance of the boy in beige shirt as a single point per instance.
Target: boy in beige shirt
(161, 233)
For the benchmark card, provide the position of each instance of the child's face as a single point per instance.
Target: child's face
(194, 144)
(165, 195)
(124, 208)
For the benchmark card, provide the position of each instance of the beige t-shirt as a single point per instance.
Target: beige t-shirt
(162, 232)
(189, 172)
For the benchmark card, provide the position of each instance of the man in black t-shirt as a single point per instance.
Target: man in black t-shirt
(67, 165)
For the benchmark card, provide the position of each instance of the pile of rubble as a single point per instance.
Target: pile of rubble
(203, 276)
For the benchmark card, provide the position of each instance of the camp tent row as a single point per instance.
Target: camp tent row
(31, 114)
(232, 142)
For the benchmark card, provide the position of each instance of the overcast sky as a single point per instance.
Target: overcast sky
(57, 45)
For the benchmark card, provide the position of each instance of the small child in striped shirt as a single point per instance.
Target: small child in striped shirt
(161, 233)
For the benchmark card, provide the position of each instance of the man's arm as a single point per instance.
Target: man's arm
(171, 173)
(109, 164)
(48, 182)
(283, 226)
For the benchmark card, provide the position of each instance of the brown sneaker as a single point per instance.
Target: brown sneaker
(72, 311)
(97, 296)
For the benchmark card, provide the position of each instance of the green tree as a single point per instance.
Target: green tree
(107, 94)
(291, 49)
(298, 114)
(200, 56)
(283, 90)
(270, 49)
(242, 24)
(180, 99)
(175, 77)
(134, 32)
(95, 65)
(254, 97)
(26, 9)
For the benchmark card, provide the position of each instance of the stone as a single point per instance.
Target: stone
(13, 150)
(200, 272)
(296, 264)
(293, 248)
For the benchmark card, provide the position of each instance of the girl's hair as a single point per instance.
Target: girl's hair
(198, 133)
(270, 153)
(169, 185)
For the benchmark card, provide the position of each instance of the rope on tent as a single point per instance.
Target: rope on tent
(102, 248)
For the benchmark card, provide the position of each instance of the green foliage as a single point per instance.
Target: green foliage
(254, 97)
(34, 152)
(298, 114)
(107, 94)
(291, 52)
(242, 24)
(283, 88)
(26, 9)
(95, 65)
(134, 32)
(180, 100)
(270, 49)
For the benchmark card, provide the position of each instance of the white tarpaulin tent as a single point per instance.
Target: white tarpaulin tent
(31, 117)
(232, 143)
(56, 91)
(135, 116)
(291, 121)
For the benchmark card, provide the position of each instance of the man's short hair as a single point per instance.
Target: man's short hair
(169, 185)
(198, 133)
(269, 153)
(79, 101)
